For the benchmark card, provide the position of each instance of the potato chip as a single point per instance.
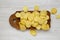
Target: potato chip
(30, 17)
(17, 14)
(35, 13)
(34, 24)
(36, 8)
(22, 15)
(22, 27)
(43, 13)
(45, 27)
(28, 24)
(36, 19)
(53, 10)
(58, 16)
(25, 9)
(41, 21)
(23, 21)
(33, 32)
(38, 27)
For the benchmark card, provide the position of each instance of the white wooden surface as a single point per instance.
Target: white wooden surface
(7, 7)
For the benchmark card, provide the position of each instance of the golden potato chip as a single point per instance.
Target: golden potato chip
(45, 22)
(22, 15)
(33, 32)
(43, 13)
(30, 17)
(53, 10)
(38, 27)
(36, 8)
(23, 21)
(25, 16)
(47, 17)
(35, 13)
(36, 19)
(28, 24)
(42, 17)
(25, 9)
(22, 27)
(45, 27)
(41, 21)
(34, 24)
(58, 16)
(17, 14)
